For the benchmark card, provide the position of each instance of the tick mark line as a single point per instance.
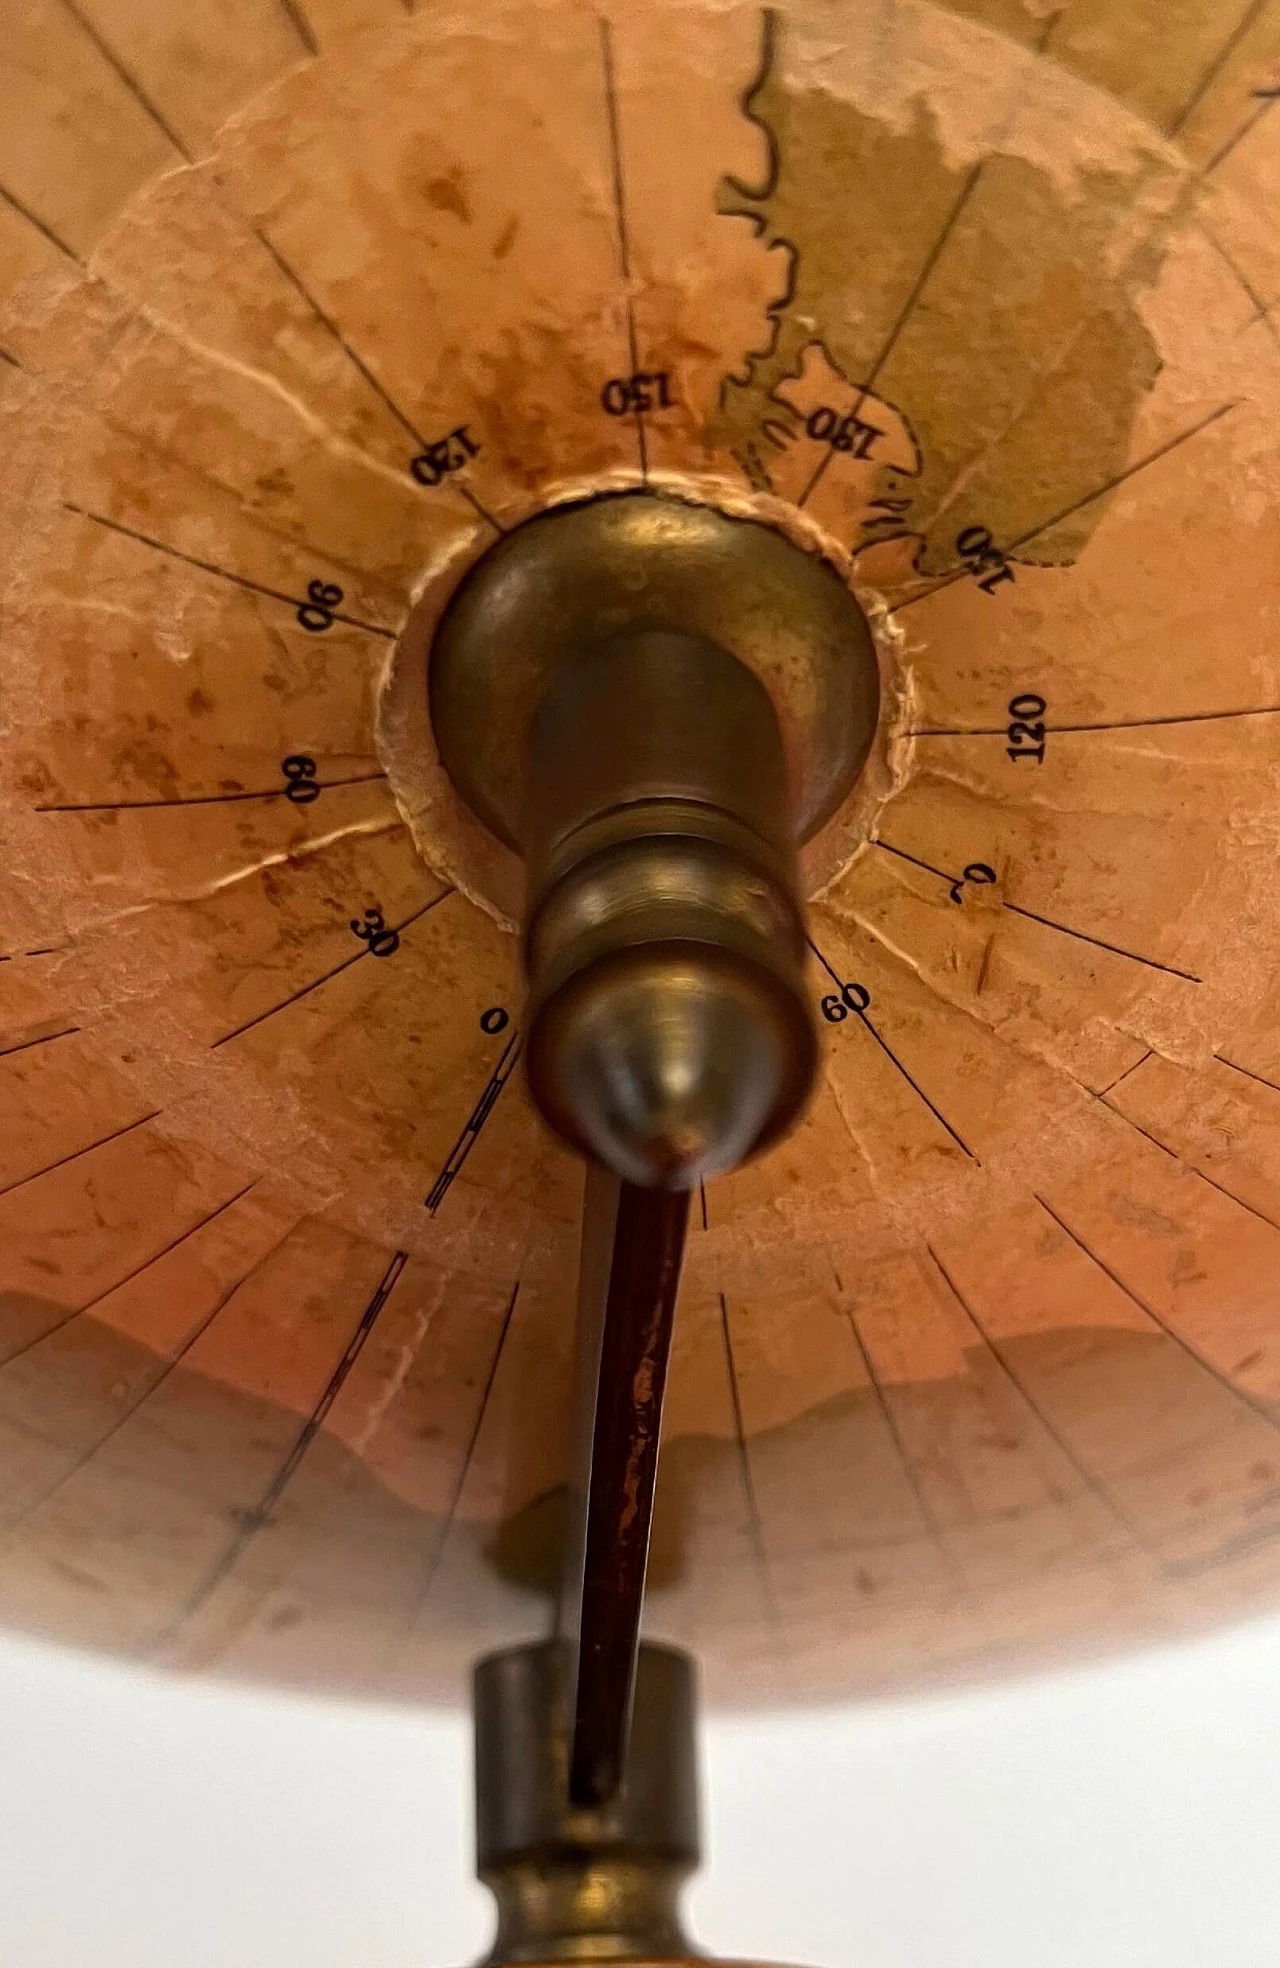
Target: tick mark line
(223, 573)
(620, 218)
(129, 79)
(127, 1279)
(397, 928)
(460, 1480)
(208, 799)
(1215, 1373)
(88, 1149)
(470, 1134)
(254, 1519)
(702, 1194)
(1261, 308)
(1078, 505)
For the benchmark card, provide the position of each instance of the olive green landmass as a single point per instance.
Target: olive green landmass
(977, 302)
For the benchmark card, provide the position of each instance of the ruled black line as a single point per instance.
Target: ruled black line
(928, 1515)
(79, 1310)
(914, 859)
(398, 928)
(915, 1086)
(620, 218)
(1078, 505)
(470, 1134)
(301, 26)
(26, 1045)
(363, 369)
(331, 327)
(1116, 724)
(904, 314)
(1216, 66)
(1222, 1060)
(224, 573)
(1246, 128)
(253, 1520)
(1104, 1091)
(1064, 929)
(1082, 936)
(702, 1194)
(744, 1458)
(152, 1386)
(1241, 1394)
(1091, 1482)
(206, 799)
(47, 231)
(76, 1153)
(1191, 1168)
(129, 79)
(840, 984)
(464, 1470)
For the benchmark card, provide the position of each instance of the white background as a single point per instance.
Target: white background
(1123, 1817)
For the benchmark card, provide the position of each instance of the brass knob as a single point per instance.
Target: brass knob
(654, 703)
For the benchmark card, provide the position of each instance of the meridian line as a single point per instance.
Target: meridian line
(1215, 1373)
(76, 1153)
(909, 1470)
(620, 217)
(1216, 66)
(460, 1480)
(397, 928)
(1170, 970)
(1078, 505)
(25, 212)
(744, 1460)
(839, 983)
(904, 315)
(1104, 1091)
(223, 573)
(1119, 724)
(253, 1520)
(205, 799)
(1251, 121)
(327, 322)
(128, 1277)
(1224, 1061)
(25, 1045)
(174, 1359)
(129, 79)
(1091, 1482)
(470, 1134)
(292, 11)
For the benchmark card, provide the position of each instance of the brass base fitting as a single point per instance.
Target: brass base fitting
(573, 1884)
